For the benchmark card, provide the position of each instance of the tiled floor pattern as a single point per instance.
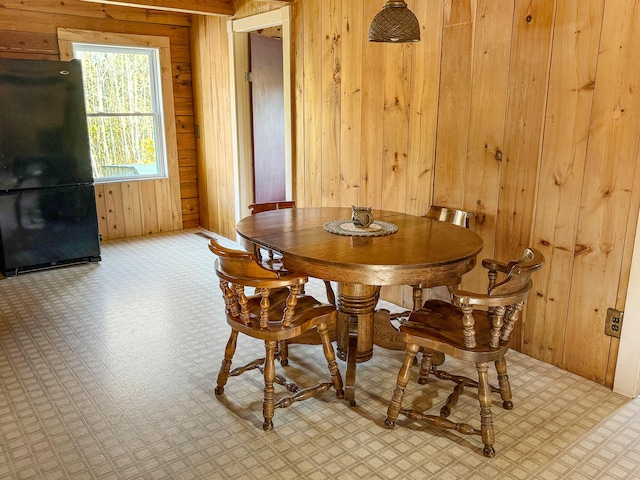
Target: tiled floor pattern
(107, 371)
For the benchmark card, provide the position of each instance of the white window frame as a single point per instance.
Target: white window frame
(66, 40)
(156, 106)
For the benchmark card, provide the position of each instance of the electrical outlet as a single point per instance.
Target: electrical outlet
(613, 324)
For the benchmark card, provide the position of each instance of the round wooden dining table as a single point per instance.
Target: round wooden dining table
(421, 252)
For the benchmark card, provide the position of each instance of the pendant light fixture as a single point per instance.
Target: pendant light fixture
(395, 24)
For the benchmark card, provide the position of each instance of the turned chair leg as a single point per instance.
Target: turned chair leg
(225, 368)
(269, 378)
(403, 378)
(505, 386)
(417, 297)
(283, 352)
(486, 419)
(425, 366)
(330, 355)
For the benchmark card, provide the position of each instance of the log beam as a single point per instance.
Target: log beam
(199, 7)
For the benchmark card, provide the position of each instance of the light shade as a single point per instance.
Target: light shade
(394, 24)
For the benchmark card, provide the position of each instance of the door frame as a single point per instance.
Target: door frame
(627, 376)
(238, 31)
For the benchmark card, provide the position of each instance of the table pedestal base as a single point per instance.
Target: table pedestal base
(354, 329)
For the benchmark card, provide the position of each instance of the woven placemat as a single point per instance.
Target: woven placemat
(346, 227)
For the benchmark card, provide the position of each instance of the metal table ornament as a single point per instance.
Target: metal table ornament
(361, 216)
(361, 224)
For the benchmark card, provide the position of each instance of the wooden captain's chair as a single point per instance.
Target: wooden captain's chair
(455, 216)
(475, 328)
(267, 206)
(283, 355)
(277, 313)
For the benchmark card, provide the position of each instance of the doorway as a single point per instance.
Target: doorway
(242, 127)
(267, 115)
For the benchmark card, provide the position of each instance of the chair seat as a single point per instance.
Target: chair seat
(309, 313)
(437, 326)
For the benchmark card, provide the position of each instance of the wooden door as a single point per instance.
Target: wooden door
(267, 110)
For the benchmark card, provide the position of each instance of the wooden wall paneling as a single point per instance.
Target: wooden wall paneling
(607, 193)
(312, 103)
(223, 123)
(203, 109)
(29, 43)
(132, 209)
(527, 90)
(395, 135)
(114, 208)
(101, 208)
(353, 36)
(188, 156)
(215, 158)
(395, 119)
(297, 103)
(188, 173)
(455, 102)
(373, 55)
(245, 8)
(574, 57)
(107, 12)
(490, 74)
(169, 189)
(190, 206)
(18, 21)
(425, 83)
(185, 124)
(149, 208)
(163, 199)
(331, 101)
(183, 104)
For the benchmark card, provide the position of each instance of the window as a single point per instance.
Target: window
(124, 111)
(154, 53)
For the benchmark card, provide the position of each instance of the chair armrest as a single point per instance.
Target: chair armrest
(463, 297)
(496, 265)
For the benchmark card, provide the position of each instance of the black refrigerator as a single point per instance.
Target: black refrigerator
(47, 201)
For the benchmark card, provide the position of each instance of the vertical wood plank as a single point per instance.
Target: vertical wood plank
(222, 122)
(132, 209)
(607, 192)
(163, 197)
(202, 90)
(313, 98)
(353, 36)
(114, 210)
(297, 105)
(490, 73)
(372, 105)
(576, 41)
(533, 21)
(149, 208)
(395, 135)
(455, 101)
(215, 159)
(101, 209)
(331, 77)
(425, 83)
